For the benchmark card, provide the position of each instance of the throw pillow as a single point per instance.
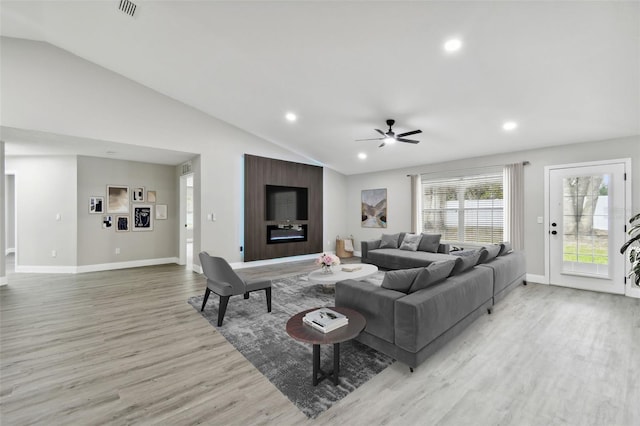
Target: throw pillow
(466, 262)
(429, 242)
(389, 241)
(463, 253)
(432, 274)
(400, 280)
(488, 253)
(506, 249)
(410, 242)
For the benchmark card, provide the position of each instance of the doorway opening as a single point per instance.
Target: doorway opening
(186, 221)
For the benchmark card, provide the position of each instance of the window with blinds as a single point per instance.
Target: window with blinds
(465, 209)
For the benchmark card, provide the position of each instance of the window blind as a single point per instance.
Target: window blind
(464, 209)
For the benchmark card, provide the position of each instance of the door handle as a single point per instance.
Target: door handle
(554, 232)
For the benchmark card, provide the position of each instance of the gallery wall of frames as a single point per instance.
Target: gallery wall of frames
(125, 209)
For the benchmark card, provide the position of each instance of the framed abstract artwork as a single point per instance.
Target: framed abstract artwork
(122, 223)
(161, 211)
(142, 217)
(138, 195)
(96, 205)
(151, 196)
(107, 222)
(117, 199)
(374, 208)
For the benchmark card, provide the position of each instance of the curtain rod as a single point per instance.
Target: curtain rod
(524, 163)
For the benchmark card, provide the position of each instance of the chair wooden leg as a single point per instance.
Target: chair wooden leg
(268, 293)
(224, 300)
(206, 296)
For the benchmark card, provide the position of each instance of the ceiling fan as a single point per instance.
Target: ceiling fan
(391, 137)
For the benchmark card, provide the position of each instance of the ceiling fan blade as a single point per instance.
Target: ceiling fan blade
(414, 132)
(374, 139)
(407, 140)
(381, 145)
(381, 132)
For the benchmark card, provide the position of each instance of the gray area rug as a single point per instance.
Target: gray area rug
(262, 339)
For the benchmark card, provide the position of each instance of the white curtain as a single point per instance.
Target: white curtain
(416, 204)
(514, 205)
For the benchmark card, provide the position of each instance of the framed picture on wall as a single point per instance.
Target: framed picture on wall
(107, 222)
(374, 208)
(117, 199)
(142, 218)
(151, 196)
(161, 211)
(96, 205)
(122, 223)
(138, 195)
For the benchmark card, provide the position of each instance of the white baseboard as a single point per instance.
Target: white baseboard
(3, 281)
(38, 269)
(538, 279)
(93, 268)
(9, 251)
(242, 265)
(196, 268)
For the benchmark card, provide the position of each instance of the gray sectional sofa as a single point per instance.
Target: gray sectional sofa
(390, 256)
(411, 322)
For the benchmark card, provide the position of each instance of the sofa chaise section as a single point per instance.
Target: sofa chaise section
(422, 321)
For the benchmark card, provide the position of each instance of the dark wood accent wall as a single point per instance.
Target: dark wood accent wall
(259, 172)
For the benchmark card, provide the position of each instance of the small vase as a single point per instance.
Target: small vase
(326, 269)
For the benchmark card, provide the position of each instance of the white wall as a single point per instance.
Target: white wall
(97, 245)
(47, 89)
(3, 271)
(10, 212)
(334, 204)
(399, 201)
(45, 188)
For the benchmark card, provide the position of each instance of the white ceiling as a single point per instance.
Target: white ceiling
(567, 72)
(20, 142)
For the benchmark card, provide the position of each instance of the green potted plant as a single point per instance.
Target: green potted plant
(634, 253)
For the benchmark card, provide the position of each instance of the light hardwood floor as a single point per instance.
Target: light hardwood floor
(124, 347)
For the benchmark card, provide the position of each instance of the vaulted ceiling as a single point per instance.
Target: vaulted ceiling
(566, 72)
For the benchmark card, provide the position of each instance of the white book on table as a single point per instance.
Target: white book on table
(325, 319)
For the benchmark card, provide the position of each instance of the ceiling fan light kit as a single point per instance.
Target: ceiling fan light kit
(389, 136)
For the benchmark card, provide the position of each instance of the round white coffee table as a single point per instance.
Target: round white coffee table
(328, 281)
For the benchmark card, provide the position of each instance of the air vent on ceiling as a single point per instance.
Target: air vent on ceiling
(127, 7)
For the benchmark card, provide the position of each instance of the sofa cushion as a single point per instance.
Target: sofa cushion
(400, 280)
(429, 242)
(488, 253)
(506, 248)
(466, 261)
(410, 242)
(432, 274)
(403, 259)
(389, 241)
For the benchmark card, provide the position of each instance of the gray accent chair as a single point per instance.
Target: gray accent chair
(223, 281)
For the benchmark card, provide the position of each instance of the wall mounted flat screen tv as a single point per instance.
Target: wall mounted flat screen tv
(286, 203)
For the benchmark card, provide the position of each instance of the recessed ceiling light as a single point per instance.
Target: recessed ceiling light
(509, 125)
(453, 45)
(111, 152)
(291, 116)
(362, 155)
